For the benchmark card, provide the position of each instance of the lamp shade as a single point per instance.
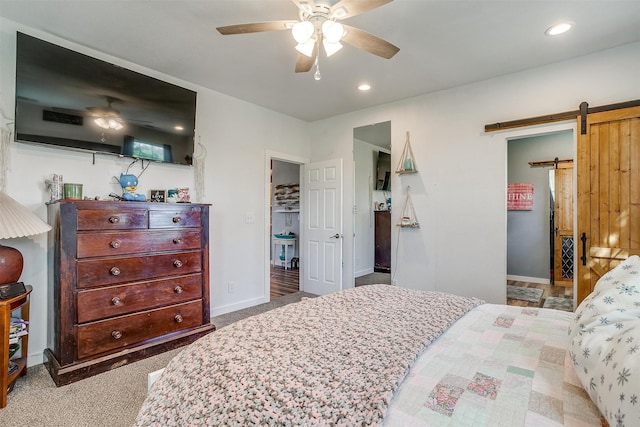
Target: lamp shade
(15, 221)
(18, 221)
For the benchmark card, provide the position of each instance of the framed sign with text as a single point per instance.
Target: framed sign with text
(520, 196)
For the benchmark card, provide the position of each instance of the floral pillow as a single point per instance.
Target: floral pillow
(605, 344)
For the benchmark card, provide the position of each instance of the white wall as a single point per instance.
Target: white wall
(236, 135)
(459, 191)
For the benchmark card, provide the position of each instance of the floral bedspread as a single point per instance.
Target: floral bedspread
(331, 360)
(498, 366)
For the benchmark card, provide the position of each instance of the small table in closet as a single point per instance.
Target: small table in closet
(281, 244)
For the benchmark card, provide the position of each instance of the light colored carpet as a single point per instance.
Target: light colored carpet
(524, 294)
(557, 303)
(111, 399)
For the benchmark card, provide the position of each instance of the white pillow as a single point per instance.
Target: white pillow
(605, 344)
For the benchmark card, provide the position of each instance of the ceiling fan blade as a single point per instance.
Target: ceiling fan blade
(306, 6)
(256, 27)
(348, 8)
(367, 41)
(304, 63)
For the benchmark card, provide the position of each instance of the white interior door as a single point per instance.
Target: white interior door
(322, 219)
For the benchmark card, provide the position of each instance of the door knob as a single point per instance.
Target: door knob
(336, 236)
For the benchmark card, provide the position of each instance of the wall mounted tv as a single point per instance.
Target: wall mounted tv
(71, 100)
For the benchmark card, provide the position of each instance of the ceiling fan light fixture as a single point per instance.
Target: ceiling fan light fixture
(331, 48)
(108, 123)
(302, 31)
(332, 31)
(306, 48)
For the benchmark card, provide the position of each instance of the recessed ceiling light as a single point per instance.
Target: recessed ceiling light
(178, 127)
(558, 29)
(364, 87)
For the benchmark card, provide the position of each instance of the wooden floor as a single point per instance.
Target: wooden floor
(284, 282)
(549, 291)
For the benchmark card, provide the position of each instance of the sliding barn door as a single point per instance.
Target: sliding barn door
(608, 194)
(563, 243)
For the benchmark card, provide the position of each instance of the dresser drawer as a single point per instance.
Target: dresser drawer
(182, 218)
(134, 242)
(101, 303)
(116, 219)
(112, 334)
(116, 270)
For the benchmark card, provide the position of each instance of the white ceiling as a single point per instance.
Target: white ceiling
(443, 44)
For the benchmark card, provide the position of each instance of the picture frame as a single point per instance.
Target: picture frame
(158, 196)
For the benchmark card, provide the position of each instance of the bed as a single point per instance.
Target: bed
(388, 356)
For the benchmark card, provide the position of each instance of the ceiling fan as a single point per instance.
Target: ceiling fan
(319, 23)
(107, 117)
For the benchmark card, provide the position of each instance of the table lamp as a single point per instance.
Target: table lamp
(15, 221)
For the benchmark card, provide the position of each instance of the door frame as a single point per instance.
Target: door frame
(533, 131)
(290, 158)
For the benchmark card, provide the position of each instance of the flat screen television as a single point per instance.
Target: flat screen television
(67, 99)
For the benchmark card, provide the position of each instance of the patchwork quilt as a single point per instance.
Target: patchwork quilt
(497, 366)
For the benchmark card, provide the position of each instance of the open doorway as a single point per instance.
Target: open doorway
(284, 228)
(372, 204)
(540, 229)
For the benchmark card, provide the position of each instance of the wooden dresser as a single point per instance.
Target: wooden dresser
(128, 280)
(382, 236)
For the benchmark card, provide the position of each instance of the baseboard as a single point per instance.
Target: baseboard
(238, 306)
(541, 280)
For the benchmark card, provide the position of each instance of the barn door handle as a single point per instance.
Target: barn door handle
(583, 237)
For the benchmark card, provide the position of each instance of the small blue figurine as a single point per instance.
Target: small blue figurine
(129, 183)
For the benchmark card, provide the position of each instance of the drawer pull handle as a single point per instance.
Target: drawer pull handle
(116, 301)
(114, 219)
(115, 244)
(177, 263)
(178, 289)
(116, 334)
(178, 318)
(177, 240)
(177, 219)
(115, 271)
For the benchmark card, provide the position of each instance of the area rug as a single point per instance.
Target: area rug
(524, 294)
(557, 303)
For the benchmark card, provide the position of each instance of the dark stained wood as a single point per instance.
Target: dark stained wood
(106, 271)
(164, 277)
(113, 243)
(382, 236)
(100, 303)
(112, 334)
(95, 219)
(284, 281)
(173, 219)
